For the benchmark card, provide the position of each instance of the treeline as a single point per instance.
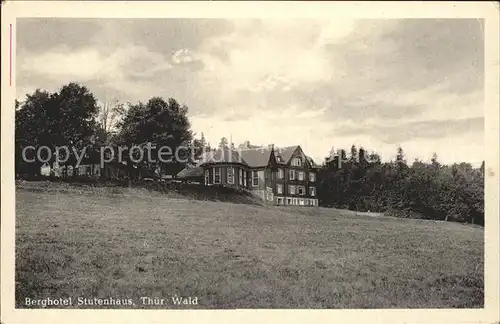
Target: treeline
(360, 181)
(73, 118)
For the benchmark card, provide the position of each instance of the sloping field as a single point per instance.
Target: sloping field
(130, 244)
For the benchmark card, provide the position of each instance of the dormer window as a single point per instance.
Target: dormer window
(297, 161)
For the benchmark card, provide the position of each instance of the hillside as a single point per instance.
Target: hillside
(96, 242)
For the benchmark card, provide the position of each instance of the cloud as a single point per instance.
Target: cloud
(127, 69)
(417, 130)
(318, 83)
(252, 58)
(89, 63)
(42, 34)
(182, 56)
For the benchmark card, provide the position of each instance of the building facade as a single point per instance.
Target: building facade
(278, 176)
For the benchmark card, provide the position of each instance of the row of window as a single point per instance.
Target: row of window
(242, 179)
(295, 175)
(216, 176)
(296, 201)
(297, 161)
(296, 190)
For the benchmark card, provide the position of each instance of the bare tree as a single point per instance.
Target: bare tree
(110, 114)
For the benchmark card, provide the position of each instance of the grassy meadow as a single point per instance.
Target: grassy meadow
(129, 243)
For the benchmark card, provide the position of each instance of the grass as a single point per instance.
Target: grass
(132, 243)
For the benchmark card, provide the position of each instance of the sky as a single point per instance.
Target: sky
(379, 84)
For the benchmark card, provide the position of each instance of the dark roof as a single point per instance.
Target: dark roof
(257, 157)
(260, 157)
(193, 172)
(222, 156)
(285, 153)
(311, 161)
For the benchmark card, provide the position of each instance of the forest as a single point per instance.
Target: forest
(360, 181)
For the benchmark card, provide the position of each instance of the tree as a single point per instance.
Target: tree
(75, 123)
(32, 129)
(354, 154)
(223, 143)
(65, 118)
(161, 124)
(434, 159)
(400, 156)
(422, 190)
(200, 146)
(110, 114)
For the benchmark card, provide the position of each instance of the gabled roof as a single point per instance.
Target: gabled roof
(258, 157)
(255, 158)
(311, 162)
(285, 153)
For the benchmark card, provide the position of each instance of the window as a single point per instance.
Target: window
(312, 191)
(295, 201)
(279, 188)
(297, 161)
(269, 174)
(301, 190)
(289, 201)
(240, 178)
(230, 175)
(245, 175)
(255, 178)
(292, 174)
(280, 201)
(301, 175)
(207, 177)
(301, 202)
(312, 177)
(216, 175)
(281, 174)
(291, 190)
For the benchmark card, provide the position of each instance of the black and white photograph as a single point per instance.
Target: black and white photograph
(249, 162)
